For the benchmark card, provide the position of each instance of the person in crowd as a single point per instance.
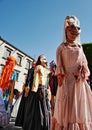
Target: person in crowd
(37, 115)
(15, 97)
(73, 106)
(53, 83)
(12, 92)
(15, 103)
(3, 114)
(22, 105)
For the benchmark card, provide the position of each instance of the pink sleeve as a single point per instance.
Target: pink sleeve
(59, 62)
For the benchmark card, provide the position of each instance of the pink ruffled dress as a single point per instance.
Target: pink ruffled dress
(73, 107)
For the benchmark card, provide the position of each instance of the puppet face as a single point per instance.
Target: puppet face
(43, 61)
(72, 32)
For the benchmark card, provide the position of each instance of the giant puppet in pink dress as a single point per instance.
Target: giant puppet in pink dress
(73, 107)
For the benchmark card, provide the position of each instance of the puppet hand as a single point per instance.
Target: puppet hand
(26, 91)
(60, 79)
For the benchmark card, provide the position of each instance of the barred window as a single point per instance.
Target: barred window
(28, 64)
(19, 59)
(7, 53)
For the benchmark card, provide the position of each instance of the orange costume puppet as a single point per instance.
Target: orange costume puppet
(7, 72)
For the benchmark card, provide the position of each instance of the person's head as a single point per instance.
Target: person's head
(34, 64)
(42, 60)
(15, 92)
(52, 66)
(71, 30)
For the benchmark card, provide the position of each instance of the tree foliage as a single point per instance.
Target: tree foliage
(87, 47)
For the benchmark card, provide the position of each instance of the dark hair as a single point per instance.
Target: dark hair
(39, 60)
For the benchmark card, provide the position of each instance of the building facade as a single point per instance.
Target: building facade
(24, 61)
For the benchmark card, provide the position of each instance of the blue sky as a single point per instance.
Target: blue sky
(36, 26)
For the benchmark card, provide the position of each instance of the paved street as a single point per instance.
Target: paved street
(11, 126)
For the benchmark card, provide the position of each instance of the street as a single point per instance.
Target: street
(11, 126)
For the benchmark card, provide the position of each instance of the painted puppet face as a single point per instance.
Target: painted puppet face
(43, 61)
(72, 32)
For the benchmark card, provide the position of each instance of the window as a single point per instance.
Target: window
(28, 64)
(19, 59)
(7, 53)
(15, 75)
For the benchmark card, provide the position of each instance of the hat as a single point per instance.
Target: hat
(52, 64)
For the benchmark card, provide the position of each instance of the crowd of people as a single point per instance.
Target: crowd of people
(57, 97)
